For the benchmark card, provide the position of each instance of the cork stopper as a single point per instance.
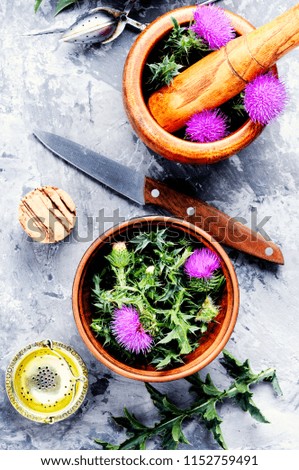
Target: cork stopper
(47, 214)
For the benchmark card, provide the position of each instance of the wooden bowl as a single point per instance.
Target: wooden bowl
(210, 345)
(147, 128)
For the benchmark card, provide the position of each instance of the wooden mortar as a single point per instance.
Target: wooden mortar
(223, 74)
(145, 124)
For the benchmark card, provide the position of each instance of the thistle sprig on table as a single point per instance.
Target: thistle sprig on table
(155, 297)
(205, 406)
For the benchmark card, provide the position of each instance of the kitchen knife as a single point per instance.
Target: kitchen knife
(144, 190)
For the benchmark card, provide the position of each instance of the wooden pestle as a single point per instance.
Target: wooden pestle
(224, 73)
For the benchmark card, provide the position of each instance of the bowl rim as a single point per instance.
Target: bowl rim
(143, 123)
(147, 375)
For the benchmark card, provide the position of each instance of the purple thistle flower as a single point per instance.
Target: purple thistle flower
(208, 126)
(213, 26)
(202, 263)
(265, 98)
(129, 331)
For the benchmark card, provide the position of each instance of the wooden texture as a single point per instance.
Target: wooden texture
(220, 226)
(47, 214)
(223, 74)
(142, 121)
(210, 345)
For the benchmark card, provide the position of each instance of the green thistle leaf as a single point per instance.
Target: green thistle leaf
(169, 358)
(179, 334)
(213, 422)
(168, 442)
(275, 384)
(137, 442)
(238, 105)
(106, 445)
(177, 433)
(62, 4)
(176, 33)
(214, 284)
(170, 407)
(129, 422)
(246, 403)
(235, 368)
(37, 5)
(162, 73)
(209, 388)
(156, 396)
(183, 41)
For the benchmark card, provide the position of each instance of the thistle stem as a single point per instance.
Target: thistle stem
(121, 277)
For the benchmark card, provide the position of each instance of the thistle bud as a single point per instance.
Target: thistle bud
(150, 270)
(119, 246)
(119, 257)
(208, 311)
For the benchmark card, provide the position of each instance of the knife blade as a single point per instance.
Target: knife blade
(144, 190)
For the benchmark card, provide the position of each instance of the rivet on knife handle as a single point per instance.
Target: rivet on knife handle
(220, 226)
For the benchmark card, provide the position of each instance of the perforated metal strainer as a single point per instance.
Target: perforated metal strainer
(46, 381)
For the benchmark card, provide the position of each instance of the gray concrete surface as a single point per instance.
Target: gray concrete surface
(75, 91)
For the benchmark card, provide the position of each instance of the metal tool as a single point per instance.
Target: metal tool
(99, 25)
(144, 190)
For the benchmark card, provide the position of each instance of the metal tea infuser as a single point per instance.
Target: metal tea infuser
(100, 25)
(46, 381)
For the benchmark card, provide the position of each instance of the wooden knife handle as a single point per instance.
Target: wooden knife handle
(220, 226)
